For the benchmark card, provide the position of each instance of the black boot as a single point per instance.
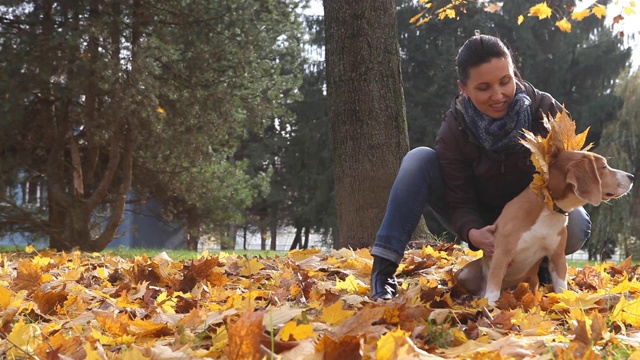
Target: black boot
(383, 282)
(544, 275)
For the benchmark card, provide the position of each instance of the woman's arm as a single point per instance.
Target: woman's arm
(454, 151)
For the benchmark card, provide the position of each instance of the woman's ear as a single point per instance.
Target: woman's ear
(463, 89)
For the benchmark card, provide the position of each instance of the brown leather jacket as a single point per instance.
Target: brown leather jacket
(480, 184)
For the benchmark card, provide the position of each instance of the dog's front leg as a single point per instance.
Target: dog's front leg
(498, 268)
(558, 269)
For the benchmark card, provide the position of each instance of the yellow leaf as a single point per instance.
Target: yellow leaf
(110, 340)
(628, 10)
(291, 330)
(92, 353)
(29, 249)
(520, 19)
(251, 267)
(579, 15)
(627, 312)
(166, 302)
(5, 298)
(335, 314)
(413, 19)
(351, 285)
(568, 299)
(299, 255)
(541, 10)
(564, 25)
(24, 338)
(389, 344)
(424, 20)
(41, 260)
(133, 353)
(599, 10)
(160, 110)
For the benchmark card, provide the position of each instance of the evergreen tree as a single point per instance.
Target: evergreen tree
(101, 97)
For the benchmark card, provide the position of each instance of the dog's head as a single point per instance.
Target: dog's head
(587, 177)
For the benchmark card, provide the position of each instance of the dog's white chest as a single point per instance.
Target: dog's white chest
(545, 232)
(541, 240)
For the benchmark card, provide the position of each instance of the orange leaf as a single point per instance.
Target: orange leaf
(245, 337)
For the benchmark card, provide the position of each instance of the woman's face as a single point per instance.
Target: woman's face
(491, 87)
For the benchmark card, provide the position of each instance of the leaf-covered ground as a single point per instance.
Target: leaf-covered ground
(305, 305)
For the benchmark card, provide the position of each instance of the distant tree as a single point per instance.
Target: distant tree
(102, 97)
(619, 224)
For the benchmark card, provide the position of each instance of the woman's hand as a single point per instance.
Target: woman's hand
(483, 238)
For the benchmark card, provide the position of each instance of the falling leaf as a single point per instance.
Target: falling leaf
(580, 15)
(541, 10)
(599, 10)
(415, 18)
(493, 7)
(564, 25)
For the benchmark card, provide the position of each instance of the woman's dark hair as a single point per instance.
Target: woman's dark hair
(478, 50)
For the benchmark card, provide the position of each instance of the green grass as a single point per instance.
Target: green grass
(174, 254)
(182, 254)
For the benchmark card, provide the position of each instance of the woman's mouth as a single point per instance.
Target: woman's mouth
(499, 107)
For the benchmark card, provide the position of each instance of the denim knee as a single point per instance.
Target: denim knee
(578, 230)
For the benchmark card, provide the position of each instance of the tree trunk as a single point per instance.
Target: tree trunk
(297, 239)
(366, 108)
(229, 242)
(307, 231)
(274, 228)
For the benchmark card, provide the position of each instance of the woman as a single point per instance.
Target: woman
(478, 164)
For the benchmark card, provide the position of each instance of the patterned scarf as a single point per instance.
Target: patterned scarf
(500, 135)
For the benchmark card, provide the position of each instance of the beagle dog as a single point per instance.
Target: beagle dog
(527, 230)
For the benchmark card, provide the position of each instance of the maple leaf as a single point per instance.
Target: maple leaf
(541, 10)
(29, 276)
(335, 313)
(294, 331)
(245, 337)
(346, 347)
(599, 10)
(561, 137)
(24, 338)
(564, 25)
(627, 312)
(396, 345)
(580, 15)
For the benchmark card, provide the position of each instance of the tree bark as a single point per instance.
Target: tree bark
(366, 108)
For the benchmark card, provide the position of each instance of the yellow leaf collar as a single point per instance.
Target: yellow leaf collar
(562, 136)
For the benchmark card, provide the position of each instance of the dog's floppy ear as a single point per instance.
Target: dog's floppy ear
(583, 176)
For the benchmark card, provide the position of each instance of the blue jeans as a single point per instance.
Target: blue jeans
(419, 185)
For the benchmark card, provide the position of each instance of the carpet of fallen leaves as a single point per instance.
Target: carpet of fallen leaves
(307, 304)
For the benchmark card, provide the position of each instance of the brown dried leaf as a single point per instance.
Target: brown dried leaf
(245, 336)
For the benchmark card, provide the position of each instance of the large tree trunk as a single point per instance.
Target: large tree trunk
(366, 108)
